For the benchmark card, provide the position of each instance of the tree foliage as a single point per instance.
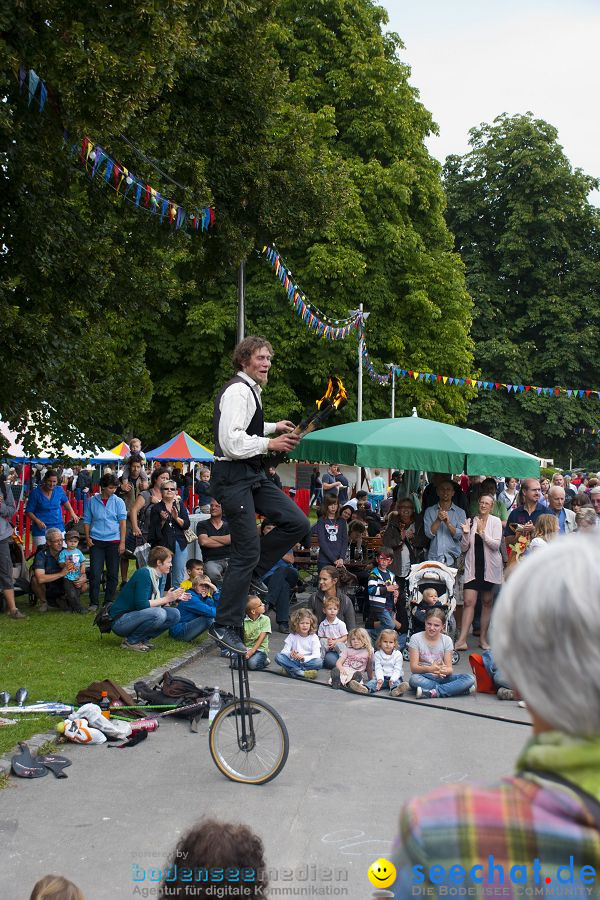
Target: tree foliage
(297, 122)
(386, 245)
(530, 241)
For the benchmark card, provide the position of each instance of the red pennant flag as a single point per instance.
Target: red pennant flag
(587, 393)
(410, 372)
(527, 387)
(497, 385)
(147, 193)
(438, 377)
(557, 391)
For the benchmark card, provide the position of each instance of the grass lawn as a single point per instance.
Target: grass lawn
(55, 654)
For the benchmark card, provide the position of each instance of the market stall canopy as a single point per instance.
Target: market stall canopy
(47, 455)
(121, 449)
(419, 444)
(181, 448)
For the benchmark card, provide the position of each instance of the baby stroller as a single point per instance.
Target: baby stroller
(431, 574)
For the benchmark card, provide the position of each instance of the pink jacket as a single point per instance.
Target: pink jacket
(492, 570)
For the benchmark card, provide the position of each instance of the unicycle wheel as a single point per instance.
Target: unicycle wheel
(249, 745)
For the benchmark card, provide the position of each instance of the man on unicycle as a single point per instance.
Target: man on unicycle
(240, 484)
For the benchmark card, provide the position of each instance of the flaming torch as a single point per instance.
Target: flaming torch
(334, 398)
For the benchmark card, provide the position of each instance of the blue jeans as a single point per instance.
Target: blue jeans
(330, 659)
(388, 684)
(295, 667)
(190, 630)
(143, 624)
(280, 585)
(493, 670)
(449, 686)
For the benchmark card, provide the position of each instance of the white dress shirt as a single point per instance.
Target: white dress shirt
(237, 408)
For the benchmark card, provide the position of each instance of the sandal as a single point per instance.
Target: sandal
(16, 614)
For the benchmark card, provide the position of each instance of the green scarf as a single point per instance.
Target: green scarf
(575, 758)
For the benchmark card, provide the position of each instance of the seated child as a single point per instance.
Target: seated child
(301, 654)
(194, 568)
(257, 628)
(198, 612)
(332, 633)
(135, 449)
(73, 560)
(355, 665)
(431, 661)
(383, 592)
(389, 668)
(430, 601)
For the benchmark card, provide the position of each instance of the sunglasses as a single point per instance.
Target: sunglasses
(168, 489)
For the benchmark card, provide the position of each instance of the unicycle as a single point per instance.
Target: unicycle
(248, 740)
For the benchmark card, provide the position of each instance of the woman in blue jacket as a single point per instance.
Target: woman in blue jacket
(139, 613)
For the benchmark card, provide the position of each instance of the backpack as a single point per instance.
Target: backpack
(179, 692)
(103, 620)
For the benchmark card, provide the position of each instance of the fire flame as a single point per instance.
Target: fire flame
(335, 396)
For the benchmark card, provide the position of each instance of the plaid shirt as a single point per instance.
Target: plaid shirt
(516, 821)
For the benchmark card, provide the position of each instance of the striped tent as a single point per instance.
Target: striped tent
(181, 448)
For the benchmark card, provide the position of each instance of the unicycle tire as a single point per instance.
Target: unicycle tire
(266, 753)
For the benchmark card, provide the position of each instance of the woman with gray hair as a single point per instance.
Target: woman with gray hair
(546, 640)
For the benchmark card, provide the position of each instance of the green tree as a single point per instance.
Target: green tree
(387, 244)
(95, 294)
(530, 241)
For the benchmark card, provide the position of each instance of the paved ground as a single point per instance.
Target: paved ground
(353, 760)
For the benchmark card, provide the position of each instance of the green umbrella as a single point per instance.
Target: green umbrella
(414, 443)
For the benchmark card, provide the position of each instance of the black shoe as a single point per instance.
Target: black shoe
(227, 637)
(284, 627)
(257, 586)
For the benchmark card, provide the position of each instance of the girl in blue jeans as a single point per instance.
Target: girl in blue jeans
(431, 661)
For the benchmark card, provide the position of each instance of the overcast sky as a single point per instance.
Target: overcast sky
(472, 60)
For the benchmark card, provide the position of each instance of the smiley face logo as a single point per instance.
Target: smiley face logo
(381, 873)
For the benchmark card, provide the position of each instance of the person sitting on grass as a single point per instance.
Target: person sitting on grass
(301, 653)
(74, 560)
(198, 612)
(389, 666)
(48, 581)
(332, 633)
(257, 628)
(139, 613)
(355, 665)
(431, 662)
(193, 568)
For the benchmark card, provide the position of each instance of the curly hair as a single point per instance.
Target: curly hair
(298, 615)
(244, 350)
(219, 845)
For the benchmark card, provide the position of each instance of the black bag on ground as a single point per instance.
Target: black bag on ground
(102, 619)
(179, 692)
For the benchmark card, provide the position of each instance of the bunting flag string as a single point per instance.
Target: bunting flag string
(128, 186)
(586, 430)
(125, 183)
(339, 329)
(477, 383)
(325, 326)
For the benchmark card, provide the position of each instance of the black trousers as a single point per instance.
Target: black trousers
(243, 492)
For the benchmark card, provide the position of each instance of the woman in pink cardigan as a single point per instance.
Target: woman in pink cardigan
(483, 568)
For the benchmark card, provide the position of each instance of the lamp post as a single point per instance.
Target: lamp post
(361, 343)
(392, 368)
(241, 317)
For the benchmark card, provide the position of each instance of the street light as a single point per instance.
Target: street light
(361, 342)
(392, 367)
